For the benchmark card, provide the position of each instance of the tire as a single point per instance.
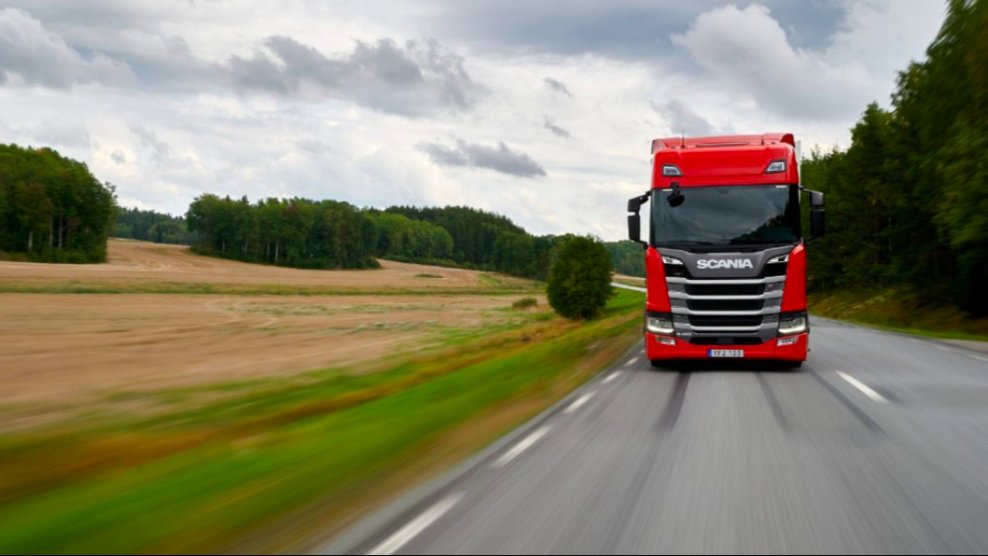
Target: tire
(792, 365)
(657, 362)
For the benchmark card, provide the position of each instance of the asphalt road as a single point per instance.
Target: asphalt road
(878, 444)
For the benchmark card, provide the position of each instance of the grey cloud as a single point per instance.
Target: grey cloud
(118, 156)
(557, 86)
(682, 119)
(551, 126)
(627, 29)
(38, 56)
(412, 79)
(500, 159)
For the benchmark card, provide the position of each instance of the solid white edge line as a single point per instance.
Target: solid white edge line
(942, 348)
(979, 358)
(611, 376)
(578, 403)
(394, 543)
(525, 444)
(875, 396)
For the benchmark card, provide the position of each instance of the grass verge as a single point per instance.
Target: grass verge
(900, 311)
(267, 468)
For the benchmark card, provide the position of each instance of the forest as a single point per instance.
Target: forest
(907, 202)
(331, 234)
(149, 225)
(52, 209)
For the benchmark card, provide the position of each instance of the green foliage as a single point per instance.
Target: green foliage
(400, 237)
(290, 232)
(627, 257)
(52, 208)
(908, 201)
(580, 278)
(148, 225)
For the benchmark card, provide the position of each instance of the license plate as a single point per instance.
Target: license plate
(739, 353)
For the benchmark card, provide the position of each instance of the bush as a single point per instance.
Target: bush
(580, 278)
(525, 303)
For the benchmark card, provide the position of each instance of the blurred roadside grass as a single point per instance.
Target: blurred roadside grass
(899, 310)
(274, 464)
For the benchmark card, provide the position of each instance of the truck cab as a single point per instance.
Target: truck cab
(725, 258)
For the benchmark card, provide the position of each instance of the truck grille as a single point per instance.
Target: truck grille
(725, 304)
(726, 341)
(725, 320)
(725, 289)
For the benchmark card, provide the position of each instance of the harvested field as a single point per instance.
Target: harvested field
(140, 264)
(59, 352)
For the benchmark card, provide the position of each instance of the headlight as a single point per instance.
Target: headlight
(659, 325)
(671, 260)
(792, 325)
(779, 259)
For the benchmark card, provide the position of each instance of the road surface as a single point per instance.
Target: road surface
(878, 444)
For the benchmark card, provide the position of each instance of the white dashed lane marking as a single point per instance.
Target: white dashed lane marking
(394, 543)
(578, 403)
(529, 441)
(875, 396)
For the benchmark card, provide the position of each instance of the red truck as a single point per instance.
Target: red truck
(725, 260)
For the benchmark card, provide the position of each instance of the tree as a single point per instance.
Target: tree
(580, 278)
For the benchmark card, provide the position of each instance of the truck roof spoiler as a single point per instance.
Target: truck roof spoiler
(722, 141)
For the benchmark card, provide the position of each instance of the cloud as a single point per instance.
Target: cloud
(36, 56)
(622, 29)
(118, 156)
(413, 79)
(557, 86)
(747, 50)
(681, 119)
(500, 159)
(551, 126)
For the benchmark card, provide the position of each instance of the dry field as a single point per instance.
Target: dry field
(62, 351)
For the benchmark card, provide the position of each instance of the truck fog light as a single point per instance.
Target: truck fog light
(659, 325)
(788, 341)
(666, 341)
(792, 325)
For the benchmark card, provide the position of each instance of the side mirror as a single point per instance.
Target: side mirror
(634, 219)
(635, 227)
(816, 199)
(818, 221)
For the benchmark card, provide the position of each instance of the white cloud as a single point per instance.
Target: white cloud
(747, 51)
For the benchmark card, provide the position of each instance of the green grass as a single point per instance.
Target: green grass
(901, 311)
(201, 478)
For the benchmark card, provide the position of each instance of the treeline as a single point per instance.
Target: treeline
(149, 225)
(52, 208)
(627, 257)
(291, 232)
(331, 234)
(908, 201)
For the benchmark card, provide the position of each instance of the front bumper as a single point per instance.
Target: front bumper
(658, 351)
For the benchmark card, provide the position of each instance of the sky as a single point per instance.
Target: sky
(541, 111)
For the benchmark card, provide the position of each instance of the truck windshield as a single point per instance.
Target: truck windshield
(726, 216)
